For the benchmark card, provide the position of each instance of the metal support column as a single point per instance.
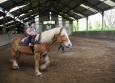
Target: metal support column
(14, 26)
(4, 26)
(77, 26)
(70, 27)
(102, 21)
(86, 23)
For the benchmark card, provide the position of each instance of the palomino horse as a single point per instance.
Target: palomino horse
(47, 39)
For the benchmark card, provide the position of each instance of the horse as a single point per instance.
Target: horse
(48, 37)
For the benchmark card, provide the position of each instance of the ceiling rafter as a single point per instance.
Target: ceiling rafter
(29, 18)
(19, 7)
(43, 15)
(45, 5)
(88, 4)
(17, 4)
(64, 12)
(67, 4)
(92, 6)
(37, 14)
(64, 16)
(58, 2)
(76, 7)
(30, 13)
(72, 9)
(33, 8)
(38, 6)
(69, 10)
(40, 12)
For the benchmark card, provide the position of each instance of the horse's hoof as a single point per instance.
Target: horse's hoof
(15, 68)
(40, 75)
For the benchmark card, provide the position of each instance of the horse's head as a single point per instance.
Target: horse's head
(63, 38)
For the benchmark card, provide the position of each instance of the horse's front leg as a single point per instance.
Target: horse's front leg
(37, 58)
(47, 62)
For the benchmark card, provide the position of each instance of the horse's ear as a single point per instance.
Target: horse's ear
(61, 29)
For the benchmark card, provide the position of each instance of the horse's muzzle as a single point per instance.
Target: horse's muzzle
(68, 46)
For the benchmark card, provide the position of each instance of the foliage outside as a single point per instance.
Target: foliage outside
(95, 22)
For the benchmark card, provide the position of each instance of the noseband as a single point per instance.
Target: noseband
(63, 50)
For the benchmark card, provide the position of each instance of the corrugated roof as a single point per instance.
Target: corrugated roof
(23, 10)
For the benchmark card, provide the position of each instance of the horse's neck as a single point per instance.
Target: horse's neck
(49, 44)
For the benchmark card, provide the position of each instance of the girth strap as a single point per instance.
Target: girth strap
(32, 48)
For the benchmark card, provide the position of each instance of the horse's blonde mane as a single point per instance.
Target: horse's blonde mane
(48, 35)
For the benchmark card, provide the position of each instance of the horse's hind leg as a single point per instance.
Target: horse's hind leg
(18, 55)
(15, 56)
(47, 62)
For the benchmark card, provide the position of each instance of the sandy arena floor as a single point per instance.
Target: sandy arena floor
(90, 61)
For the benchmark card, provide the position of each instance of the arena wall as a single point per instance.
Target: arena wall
(6, 38)
(96, 34)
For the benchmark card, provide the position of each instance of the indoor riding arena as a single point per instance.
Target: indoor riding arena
(85, 52)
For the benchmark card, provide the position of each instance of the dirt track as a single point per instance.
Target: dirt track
(91, 61)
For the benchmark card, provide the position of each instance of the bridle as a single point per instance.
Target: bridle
(62, 47)
(55, 38)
